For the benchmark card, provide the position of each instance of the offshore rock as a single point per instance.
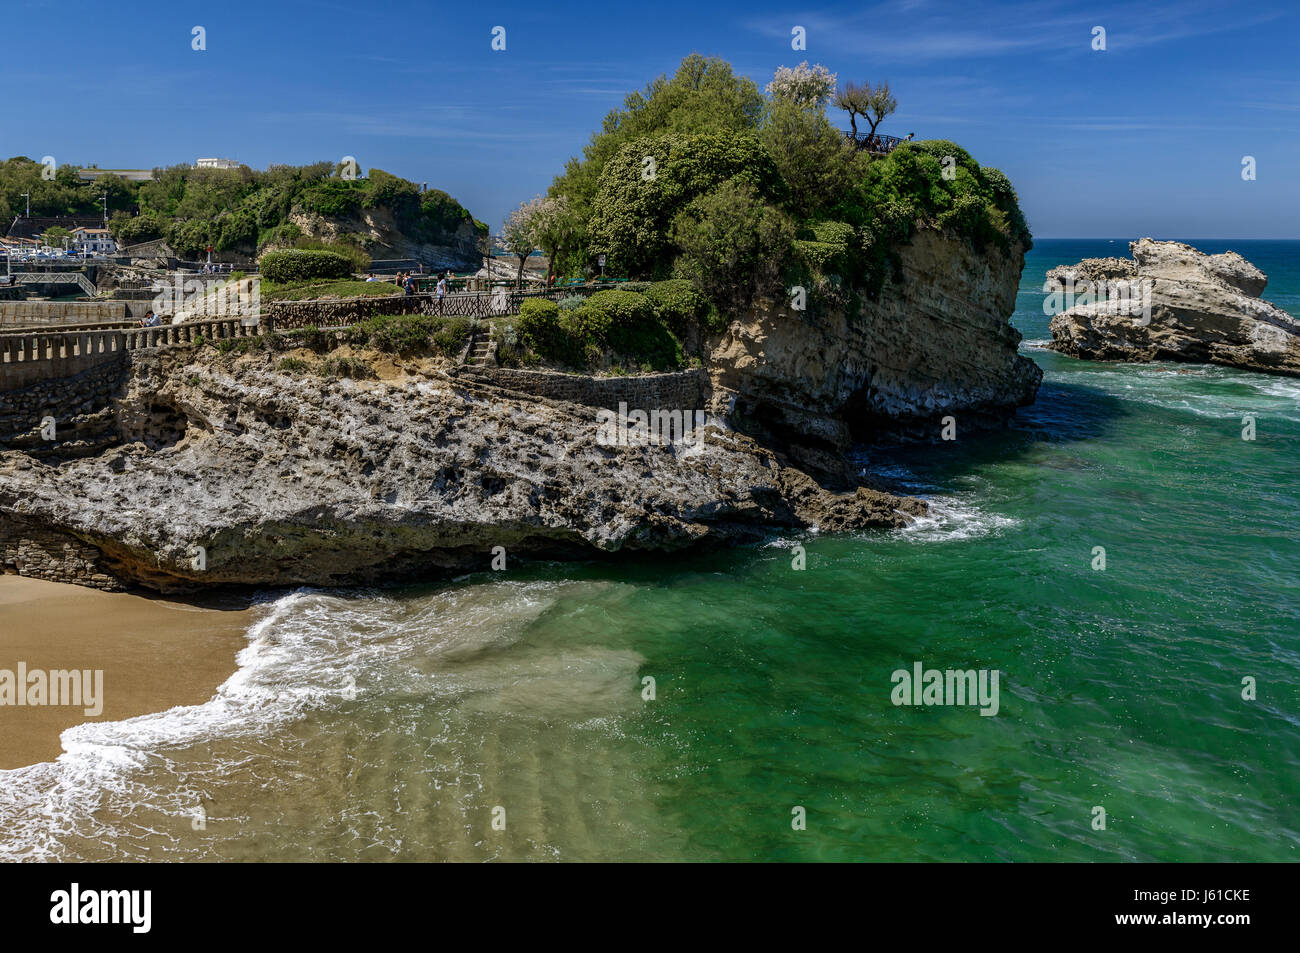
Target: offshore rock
(1200, 308)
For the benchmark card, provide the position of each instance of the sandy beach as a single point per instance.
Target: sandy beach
(155, 653)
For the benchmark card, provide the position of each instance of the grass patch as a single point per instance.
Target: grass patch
(411, 334)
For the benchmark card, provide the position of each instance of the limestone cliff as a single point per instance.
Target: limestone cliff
(383, 238)
(935, 342)
(1197, 308)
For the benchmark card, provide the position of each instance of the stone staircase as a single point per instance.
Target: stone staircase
(480, 350)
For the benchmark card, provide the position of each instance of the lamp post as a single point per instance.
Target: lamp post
(28, 197)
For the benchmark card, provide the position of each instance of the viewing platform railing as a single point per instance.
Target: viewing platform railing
(875, 144)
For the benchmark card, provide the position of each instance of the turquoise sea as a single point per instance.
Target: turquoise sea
(400, 724)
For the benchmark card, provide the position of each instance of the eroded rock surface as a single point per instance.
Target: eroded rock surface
(267, 479)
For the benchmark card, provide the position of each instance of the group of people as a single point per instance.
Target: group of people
(406, 281)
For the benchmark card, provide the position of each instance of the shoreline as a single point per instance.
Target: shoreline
(155, 653)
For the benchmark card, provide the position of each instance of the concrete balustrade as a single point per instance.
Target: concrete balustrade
(30, 356)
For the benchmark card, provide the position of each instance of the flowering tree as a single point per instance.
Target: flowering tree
(554, 229)
(545, 223)
(518, 235)
(808, 86)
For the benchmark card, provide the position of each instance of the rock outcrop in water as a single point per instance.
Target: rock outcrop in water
(1196, 308)
(936, 342)
(235, 473)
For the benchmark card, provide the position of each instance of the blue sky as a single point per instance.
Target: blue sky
(1145, 138)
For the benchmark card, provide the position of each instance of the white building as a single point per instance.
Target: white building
(93, 241)
(215, 164)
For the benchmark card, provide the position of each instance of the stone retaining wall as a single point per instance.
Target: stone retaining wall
(331, 312)
(80, 405)
(44, 554)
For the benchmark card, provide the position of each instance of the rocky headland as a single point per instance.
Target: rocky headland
(936, 342)
(1175, 303)
(183, 468)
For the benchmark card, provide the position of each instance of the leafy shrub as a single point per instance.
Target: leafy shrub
(354, 253)
(626, 322)
(913, 175)
(411, 334)
(303, 265)
(314, 339)
(677, 304)
(633, 215)
(293, 365)
(539, 328)
(818, 257)
(352, 367)
(617, 308)
(450, 339)
(734, 245)
(281, 235)
(335, 197)
(571, 302)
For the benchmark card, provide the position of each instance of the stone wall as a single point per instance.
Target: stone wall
(41, 553)
(82, 408)
(332, 312)
(682, 390)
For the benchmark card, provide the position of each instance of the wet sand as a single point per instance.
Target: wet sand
(155, 652)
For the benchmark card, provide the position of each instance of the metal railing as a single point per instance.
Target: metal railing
(875, 144)
(55, 278)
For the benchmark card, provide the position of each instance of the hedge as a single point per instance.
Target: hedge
(539, 329)
(303, 265)
(677, 304)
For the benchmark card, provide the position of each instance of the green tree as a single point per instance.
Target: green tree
(734, 245)
(815, 160)
(555, 229)
(703, 96)
(638, 199)
(54, 236)
(518, 233)
(873, 103)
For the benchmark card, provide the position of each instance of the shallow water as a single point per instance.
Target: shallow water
(374, 725)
